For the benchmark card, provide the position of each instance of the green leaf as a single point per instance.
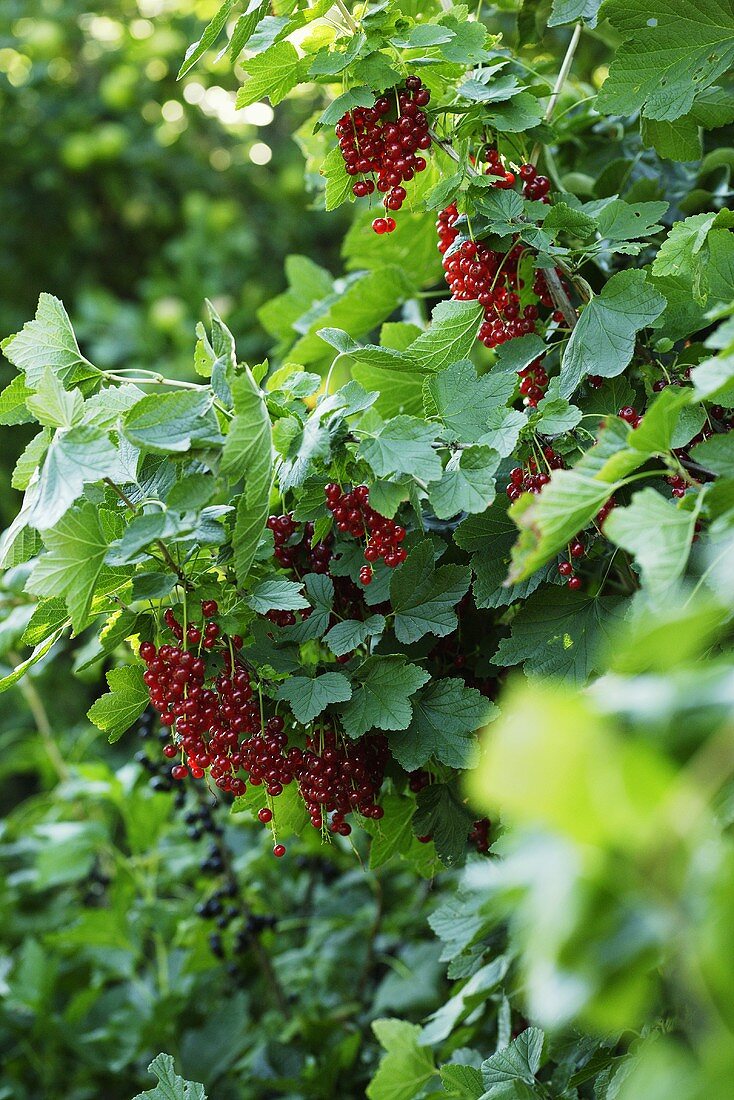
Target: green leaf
(521, 113)
(52, 405)
(505, 426)
(563, 217)
(166, 423)
(403, 445)
(446, 716)
(474, 993)
(489, 538)
(658, 534)
(170, 1086)
(562, 634)
(673, 49)
(74, 459)
(288, 808)
(469, 38)
(557, 415)
(714, 379)
(246, 26)
(683, 243)
(38, 653)
(277, 594)
(467, 483)
(13, 409)
(332, 62)
(405, 1067)
(424, 597)
(716, 455)
(627, 221)
(48, 617)
(381, 690)
(450, 336)
(720, 266)
(442, 815)
(368, 299)
(504, 210)
(569, 11)
(392, 834)
(49, 341)
(604, 338)
(464, 402)
(519, 353)
(248, 453)
(483, 86)
(376, 72)
(462, 1082)
(126, 700)
(677, 140)
(211, 33)
(273, 73)
(308, 696)
(75, 551)
(191, 493)
(519, 1062)
(30, 458)
(655, 433)
(355, 97)
(548, 520)
(139, 533)
(338, 183)
(344, 637)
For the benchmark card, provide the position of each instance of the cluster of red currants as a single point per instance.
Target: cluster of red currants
(338, 777)
(533, 382)
(576, 550)
(630, 416)
(290, 551)
(382, 150)
(354, 516)
(221, 729)
(479, 835)
(533, 185)
(678, 485)
(603, 512)
(529, 478)
(475, 272)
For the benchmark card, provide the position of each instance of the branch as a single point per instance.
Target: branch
(560, 298)
(168, 559)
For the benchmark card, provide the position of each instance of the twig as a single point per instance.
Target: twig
(168, 559)
(347, 15)
(558, 86)
(560, 298)
(40, 718)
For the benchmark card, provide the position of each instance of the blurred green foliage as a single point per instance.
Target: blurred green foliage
(132, 196)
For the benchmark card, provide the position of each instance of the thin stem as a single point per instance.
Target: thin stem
(558, 86)
(451, 152)
(150, 378)
(563, 72)
(168, 559)
(41, 720)
(560, 299)
(347, 16)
